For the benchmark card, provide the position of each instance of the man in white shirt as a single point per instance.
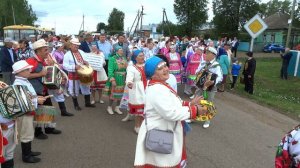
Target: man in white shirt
(213, 66)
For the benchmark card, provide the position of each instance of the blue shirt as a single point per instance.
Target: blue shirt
(235, 69)
(106, 48)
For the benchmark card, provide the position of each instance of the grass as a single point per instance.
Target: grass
(269, 89)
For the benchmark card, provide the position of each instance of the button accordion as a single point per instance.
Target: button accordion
(203, 76)
(53, 78)
(15, 101)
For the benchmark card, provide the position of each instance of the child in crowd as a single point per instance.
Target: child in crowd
(235, 70)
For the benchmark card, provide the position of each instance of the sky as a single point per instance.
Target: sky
(66, 15)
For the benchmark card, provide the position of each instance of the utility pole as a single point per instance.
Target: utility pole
(142, 13)
(165, 21)
(290, 25)
(83, 22)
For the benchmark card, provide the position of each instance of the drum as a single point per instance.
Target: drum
(85, 74)
(53, 78)
(203, 76)
(15, 101)
(45, 114)
(211, 111)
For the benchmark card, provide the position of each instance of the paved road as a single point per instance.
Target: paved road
(243, 134)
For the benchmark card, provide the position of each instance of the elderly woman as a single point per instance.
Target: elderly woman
(222, 58)
(164, 110)
(24, 50)
(136, 82)
(115, 84)
(59, 53)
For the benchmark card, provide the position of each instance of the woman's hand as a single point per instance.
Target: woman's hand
(129, 85)
(85, 63)
(196, 100)
(113, 83)
(201, 110)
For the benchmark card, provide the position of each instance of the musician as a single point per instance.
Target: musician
(58, 93)
(38, 62)
(212, 66)
(25, 123)
(162, 111)
(73, 60)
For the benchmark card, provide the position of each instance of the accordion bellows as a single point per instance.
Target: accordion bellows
(15, 101)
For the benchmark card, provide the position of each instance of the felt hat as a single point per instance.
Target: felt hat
(212, 50)
(20, 66)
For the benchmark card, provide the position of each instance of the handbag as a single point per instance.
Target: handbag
(159, 141)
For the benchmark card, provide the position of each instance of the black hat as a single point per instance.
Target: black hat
(249, 53)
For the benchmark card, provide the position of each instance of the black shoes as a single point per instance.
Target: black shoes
(27, 156)
(87, 100)
(49, 130)
(76, 105)
(63, 109)
(38, 133)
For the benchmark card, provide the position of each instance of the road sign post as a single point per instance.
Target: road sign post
(255, 26)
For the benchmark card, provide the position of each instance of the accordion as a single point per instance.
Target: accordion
(203, 76)
(53, 78)
(15, 101)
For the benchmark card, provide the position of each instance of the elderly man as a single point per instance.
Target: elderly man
(38, 62)
(32, 39)
(214, 67)
(106, 48)
(73, 60)
(7, 58)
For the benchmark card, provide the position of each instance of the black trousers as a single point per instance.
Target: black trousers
(284, 70)
(234, 79)
(249, 82)
(233, 50)
(106, 66)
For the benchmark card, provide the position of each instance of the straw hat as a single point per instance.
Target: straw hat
(75, 41)
(20, 66)
(212, 50)
(39, 44)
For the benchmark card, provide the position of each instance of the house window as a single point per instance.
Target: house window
(273, 38)
(264, 38)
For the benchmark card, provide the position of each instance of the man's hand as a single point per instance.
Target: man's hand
(43, 72)
(196, 100)
(77, 67)
(208, 83)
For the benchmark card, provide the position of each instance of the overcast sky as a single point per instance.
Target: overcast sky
(66, 15)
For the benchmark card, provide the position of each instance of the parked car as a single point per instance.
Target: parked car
(297, 47)
(273, 48)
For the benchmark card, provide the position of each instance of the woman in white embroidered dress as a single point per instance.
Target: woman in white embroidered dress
(163, 109)
(136, 82)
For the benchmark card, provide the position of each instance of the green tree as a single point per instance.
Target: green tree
(191, 14)
(115, 21)
(175, 29)
(274, 6)
(22, 10)
(101, 26)
(230, 13)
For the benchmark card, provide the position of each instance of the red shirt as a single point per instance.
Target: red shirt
(34, 62)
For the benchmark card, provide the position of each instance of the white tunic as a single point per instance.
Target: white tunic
(69, 63)
(162, 109)
(137, 93)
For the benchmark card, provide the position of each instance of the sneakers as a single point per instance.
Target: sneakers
(206, 124)
(93, 102)
(101, 101)
(117, 110)
(109, 110)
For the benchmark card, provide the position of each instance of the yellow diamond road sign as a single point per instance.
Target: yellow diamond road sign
(255, 26)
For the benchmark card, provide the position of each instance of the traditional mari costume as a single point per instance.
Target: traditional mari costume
(70, 61)
(99, 77)
(192, 65)
(116, 69)
(136, 76)
(175, 63)
(162, 111)
(288, 152)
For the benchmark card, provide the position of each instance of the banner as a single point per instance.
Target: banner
(95, 60)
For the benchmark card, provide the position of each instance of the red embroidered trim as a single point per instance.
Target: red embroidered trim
(143, 75)
(136, 106)
(193, 111)
(185, 103)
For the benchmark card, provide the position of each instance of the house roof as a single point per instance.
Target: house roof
(277, 21)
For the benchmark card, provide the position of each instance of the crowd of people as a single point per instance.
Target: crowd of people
(132, 70)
